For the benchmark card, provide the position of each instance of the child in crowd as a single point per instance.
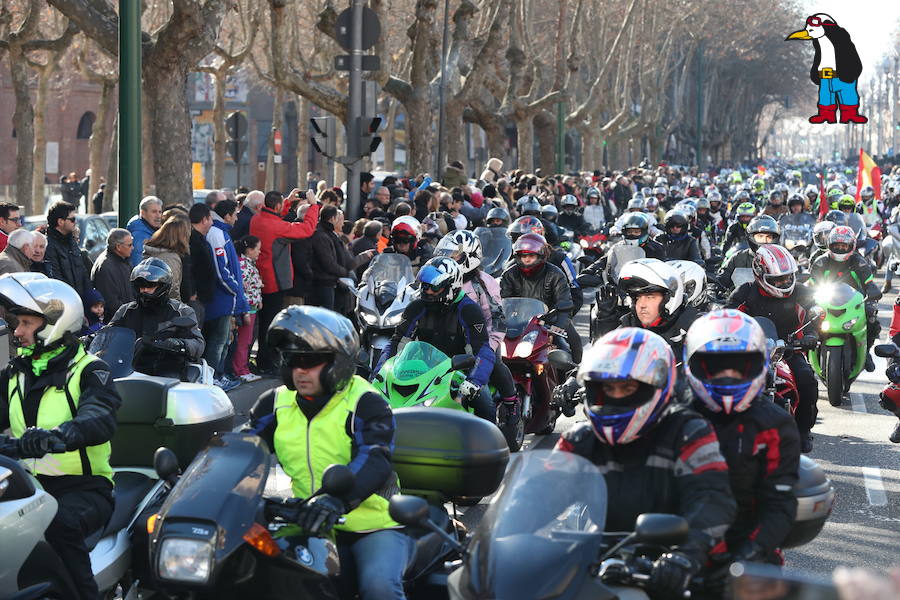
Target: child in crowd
(248, 248)
(93, 312)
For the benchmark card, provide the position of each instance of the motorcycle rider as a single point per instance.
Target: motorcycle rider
(892, 232)
(465, 248)
(842, 263)
(797, 219)
(59, 398)
(530, 206)
(497, 217)
(890, 396)
(775, 295)
(726, 363)
(532, 276)
(597, 210)
(775, 206)
(151, 313)
(570, 217)
(558, 258)
(677, 242)
(737, 232)
(549, 214)
(656, 455)
(761, 230)
(635, 232)
(350, 423)
(405, 233)
(847, 205)
(450, 321)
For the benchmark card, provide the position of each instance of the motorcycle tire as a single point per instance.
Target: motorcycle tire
(834, 375)
(513, 432)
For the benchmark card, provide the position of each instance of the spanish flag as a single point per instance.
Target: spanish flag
(868, 173)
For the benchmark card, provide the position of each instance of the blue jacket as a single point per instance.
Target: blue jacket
(141, 232)
(228, 289)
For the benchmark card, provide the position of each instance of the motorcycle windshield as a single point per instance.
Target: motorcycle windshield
(496, 248)
(392, 267)
(518, 312)
(619, 256)
(115, 345)
(836, 295)
(416, 359)
(539, 536)
(741, 276)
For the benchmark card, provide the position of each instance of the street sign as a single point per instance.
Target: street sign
(370, 62)
(236, 149)
(236, 125)
(371, 29)
(276, 141)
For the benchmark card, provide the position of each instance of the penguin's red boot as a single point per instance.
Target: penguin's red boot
(849, 114)
(827, 114)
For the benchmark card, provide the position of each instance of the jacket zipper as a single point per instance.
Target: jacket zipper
(312, 477)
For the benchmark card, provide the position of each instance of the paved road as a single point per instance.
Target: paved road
(851, 443)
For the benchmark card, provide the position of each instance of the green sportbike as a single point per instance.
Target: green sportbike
(841, 354)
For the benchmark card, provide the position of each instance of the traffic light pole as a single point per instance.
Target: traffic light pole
(130, 185)
(355, 112)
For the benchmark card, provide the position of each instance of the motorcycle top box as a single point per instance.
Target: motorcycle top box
(448, 453)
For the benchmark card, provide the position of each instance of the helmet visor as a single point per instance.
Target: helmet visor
(781, 282)
(308, 360)
(764, 237)
(616, 396)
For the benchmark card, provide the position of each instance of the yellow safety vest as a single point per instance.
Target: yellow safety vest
(59, 405)
(306, 448)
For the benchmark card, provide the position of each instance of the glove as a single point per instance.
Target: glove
(169, 344)
(320, 514)
(809, 341)
(468, 391)
(36, 442)
(893, 372)
(749, 551)
(671, 575)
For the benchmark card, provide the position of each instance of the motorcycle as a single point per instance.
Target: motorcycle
(528, 350)
(890, 247)
(380, 301)
(593, 246)
(218, 536)
(154, 411)
(841, 354)
(571, 247)
(799, 243)
(496, 248)
(872, 249)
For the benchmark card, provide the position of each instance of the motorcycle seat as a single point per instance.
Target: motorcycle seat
(429, 545)
(130, 489)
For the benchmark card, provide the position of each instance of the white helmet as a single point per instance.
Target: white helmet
(464, 247)
(408, 225)
(440, 280)
(693, 278)
(52, 299)
(645, 275)
(775, 270)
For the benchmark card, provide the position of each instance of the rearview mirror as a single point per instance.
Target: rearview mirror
(886, 350)
(816, 312)
(661, 529)
(560, 359)
(461, 362)
(165, 463)
(338, 481)
(411, 511)
(348, 283)
(4, 475)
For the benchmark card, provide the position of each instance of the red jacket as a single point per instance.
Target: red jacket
(275, 235)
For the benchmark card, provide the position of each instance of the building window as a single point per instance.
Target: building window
(85, 126)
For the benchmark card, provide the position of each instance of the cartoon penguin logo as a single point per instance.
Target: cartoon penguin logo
(835, 69)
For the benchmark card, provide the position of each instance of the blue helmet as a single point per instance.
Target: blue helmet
(634, 355)
(721, 341)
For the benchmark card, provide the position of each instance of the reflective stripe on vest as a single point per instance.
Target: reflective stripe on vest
(306, 448)
(57, 406)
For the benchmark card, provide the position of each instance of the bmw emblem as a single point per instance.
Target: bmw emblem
(303, 555)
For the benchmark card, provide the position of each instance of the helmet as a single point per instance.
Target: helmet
(464, 247)
(743, 197)
(52, 299)
(405, 229)
(867, 193)
(627, 354)
(523, 225)
(528, 205)
(726, 339)
(759, 185)
(676, 218)
(811, 190)
(782, 188)
(651, 204)
(298, 330)
(775, 270)
(703, 202)
(444, 277)
(776, 198)
(636, 221)
(549, 212)
(570, 201)
(820, 233)
(689, 209)
(148, 272)
(837, 217)
(530, 243)
(796, 199)
(660, 190)
(763, 224)
(647, 275)
(693, 280)
(498, 213)
(846, 201)
(852, 190)
(713, 197)
(592, 192)
(636, 204)
(646, 192)
(841, 243)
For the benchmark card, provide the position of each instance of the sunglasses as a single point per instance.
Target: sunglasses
(308, 360)
(817, 22)
(433, 289)
(71, 219)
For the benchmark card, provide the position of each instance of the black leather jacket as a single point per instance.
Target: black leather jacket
(548, 284)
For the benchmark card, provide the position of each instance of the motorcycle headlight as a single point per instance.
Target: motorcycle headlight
(826, 325)
(393, 319)
(849, 324)
(185, 560)
(526, 346)
(368, 317)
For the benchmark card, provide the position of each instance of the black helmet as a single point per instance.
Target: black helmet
(762, 224)
(796, 199)
(151, 271)
(837, 217)
(497, 213)
(315, 330)
(528, 205)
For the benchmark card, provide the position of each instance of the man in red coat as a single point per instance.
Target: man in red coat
(274, 263)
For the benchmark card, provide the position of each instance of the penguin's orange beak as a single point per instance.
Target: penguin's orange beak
(799, 35)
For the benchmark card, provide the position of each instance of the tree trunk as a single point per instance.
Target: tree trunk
(525, 143)
(455, 131)
(112, 170)
(23, 122)
(99, 139)
(546, 132)
(277, 123)
(170, 126)
(588, 160)
(390, 136)
(40, 135)
(148, 108)
(419, 139)
(219, 131)
(302, 141)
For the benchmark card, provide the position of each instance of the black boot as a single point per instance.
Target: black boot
(870, 364)
(806, 444)
(895, 436)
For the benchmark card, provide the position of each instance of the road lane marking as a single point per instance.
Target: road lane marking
(874, 486)
(858, 403)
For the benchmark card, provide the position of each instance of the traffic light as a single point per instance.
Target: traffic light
(323, 135)
(368, 141)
